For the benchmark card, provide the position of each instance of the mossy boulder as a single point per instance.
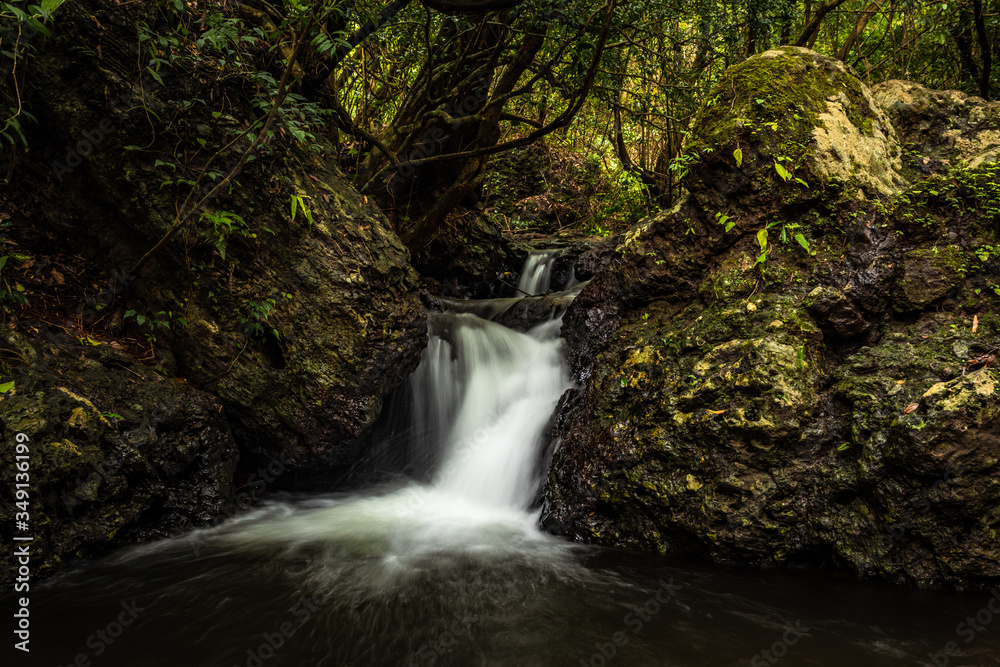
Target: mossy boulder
(117, 452)
(301, 324)
(941, 126)
(785, 127)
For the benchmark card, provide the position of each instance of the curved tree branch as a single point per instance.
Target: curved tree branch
(809, 32)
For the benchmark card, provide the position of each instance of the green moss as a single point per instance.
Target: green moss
(776, 101)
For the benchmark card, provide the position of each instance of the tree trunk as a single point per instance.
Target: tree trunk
(808, 35)
(860, 24)
(986, 55)
(961, 33)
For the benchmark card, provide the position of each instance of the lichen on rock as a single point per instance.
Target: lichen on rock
(790, 123)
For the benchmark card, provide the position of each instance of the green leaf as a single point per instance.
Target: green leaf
(140, 319)
(6, 386)
(785, 175)
(762, 239)
(37, 25)
(738, 154)
(730, 225)
(802, 241)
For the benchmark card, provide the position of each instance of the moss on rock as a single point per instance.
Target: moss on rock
(789, 124)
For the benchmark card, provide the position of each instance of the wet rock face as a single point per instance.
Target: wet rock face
(798, 389)
(346, 330)
(928, 275)
(468, 260)
(118, 453)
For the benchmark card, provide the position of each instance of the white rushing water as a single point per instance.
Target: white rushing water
(502, 387)
(536, 276)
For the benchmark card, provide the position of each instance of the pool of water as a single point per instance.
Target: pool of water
(415, 576)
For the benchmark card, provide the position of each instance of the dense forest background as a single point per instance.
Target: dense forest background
(420, 97)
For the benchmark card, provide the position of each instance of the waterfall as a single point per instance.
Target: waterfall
(488, 393)
(498, 389)
(449, 567)
(537, 272)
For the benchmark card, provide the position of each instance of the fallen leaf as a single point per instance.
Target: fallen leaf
(716, 412)
(975, 323)
(58, 277)
(910, 408)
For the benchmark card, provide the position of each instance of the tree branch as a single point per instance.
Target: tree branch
(813, 27)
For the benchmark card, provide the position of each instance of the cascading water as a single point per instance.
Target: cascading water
(453, 571)
(491, 392)
(537, 273)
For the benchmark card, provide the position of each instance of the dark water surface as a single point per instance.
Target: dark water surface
(416, 577)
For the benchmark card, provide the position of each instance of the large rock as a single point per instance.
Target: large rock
(117, 452)
(789, 126)
(941, 125)
(301, 326)
(796, 390)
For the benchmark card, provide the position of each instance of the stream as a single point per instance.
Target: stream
(446, 565)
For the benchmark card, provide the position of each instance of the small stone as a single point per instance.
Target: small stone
(78, 418)
(692, 483)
